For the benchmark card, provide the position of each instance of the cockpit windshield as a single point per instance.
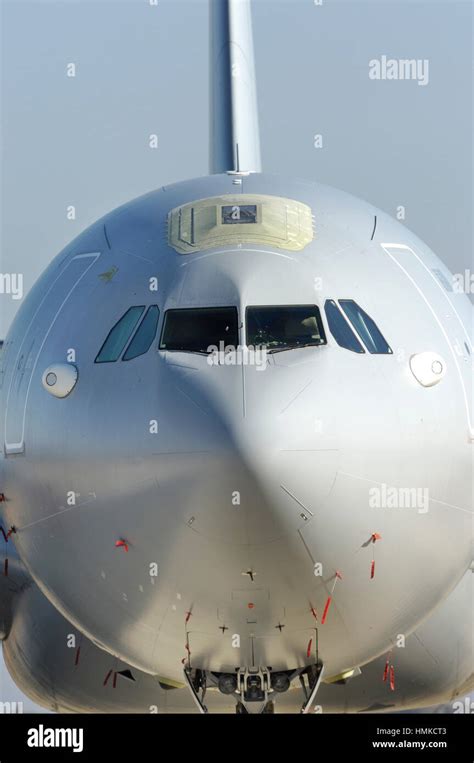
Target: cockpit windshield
(284, 327)
(200, 329)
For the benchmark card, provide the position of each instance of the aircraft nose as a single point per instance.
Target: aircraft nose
(261, 449)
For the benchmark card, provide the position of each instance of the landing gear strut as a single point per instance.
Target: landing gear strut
(313, 675)
(196, 682)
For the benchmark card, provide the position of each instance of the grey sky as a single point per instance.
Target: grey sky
(143, 69)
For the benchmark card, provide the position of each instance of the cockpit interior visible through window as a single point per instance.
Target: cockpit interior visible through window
(200, 329)
(284, 327)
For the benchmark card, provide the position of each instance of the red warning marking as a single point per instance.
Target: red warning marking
(385, 672)
(121, 544)
(329, 599)
(326, 609)
(314, 613)
(250, 605)
(308, 650)
(188, 615)
(107, 678)
(114, 682)
(392, 678)
(7, 535)
(374, 537)
(5, 569)
(186, 646)
(78, 652)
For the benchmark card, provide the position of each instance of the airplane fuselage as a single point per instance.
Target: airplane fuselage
(174, 508)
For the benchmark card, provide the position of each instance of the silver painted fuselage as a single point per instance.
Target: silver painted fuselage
(211, 471)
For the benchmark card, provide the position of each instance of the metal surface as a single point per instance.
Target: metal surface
(169, 500)
(235, 139)
(44, 662)
(303, 442)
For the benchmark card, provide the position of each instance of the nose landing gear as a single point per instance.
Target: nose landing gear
(255, 688)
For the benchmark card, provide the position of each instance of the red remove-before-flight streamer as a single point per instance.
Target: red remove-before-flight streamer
(329, 599)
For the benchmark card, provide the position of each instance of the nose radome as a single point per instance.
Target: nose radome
(268, 464)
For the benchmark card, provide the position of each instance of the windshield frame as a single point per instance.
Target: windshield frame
(271, 350)
(195, 309)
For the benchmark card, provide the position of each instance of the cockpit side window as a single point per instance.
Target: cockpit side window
(119, 335)
(144, 335)
(366, 328)
(340, 329)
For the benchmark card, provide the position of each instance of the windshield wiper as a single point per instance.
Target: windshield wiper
(295, 346)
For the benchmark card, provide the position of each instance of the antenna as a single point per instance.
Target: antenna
(234, 134)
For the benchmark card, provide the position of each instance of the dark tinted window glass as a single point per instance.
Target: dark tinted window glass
(285, 327)
(118, 337)
(145, 334)
(340, 328)
(196, 330)
(365, 327)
